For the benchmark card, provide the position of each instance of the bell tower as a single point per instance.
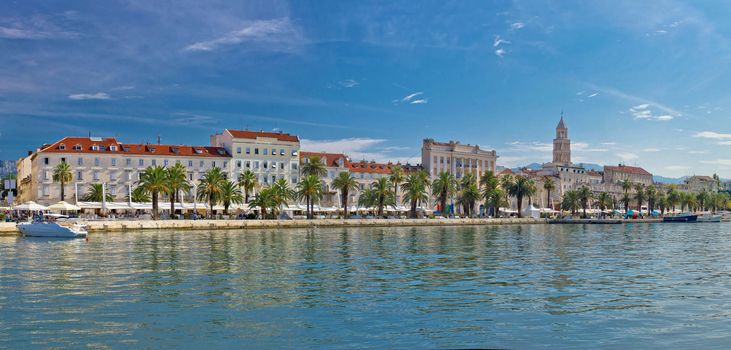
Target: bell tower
(562, 144)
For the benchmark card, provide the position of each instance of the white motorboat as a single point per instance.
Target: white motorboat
(52, 225)
(709, 218)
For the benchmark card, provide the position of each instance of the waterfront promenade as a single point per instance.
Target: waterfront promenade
(9, 229)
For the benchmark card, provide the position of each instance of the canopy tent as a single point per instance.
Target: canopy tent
(31, 206)
(532, 212)
(63, 206)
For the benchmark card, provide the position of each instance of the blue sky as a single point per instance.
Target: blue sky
(640, 82)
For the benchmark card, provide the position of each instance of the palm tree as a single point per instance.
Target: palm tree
(154, 180)
(176, 181)
(414, 191)
(95, 194)
(640, 196)
(230, 194)
(490, 183)
(662, 202)
(468, 196)
(210, 187)
(604, 200)
(309, 189)
(703, 199)
(688, 200)
(651, 193)
(139, 194)
(265, 199)
(673, 197)
(282, 194)
(585, 195)
(549, 186)
(443, 187)
(345, 182)
(570, 201)
(62, 174)
(397, 177)
(314, 166)
(494, 199)
(626, 199)
(521, 187)
(247, 182)
(627, 185)
(383, 194)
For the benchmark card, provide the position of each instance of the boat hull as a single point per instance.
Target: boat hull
(684, 218)
(49, 229)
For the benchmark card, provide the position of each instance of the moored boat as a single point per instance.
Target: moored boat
(49, 226)
(681, 218)
(709, 218)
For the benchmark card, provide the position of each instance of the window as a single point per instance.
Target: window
(294, 166)
(256, 151)
(274, 152)
(113, 148)
(248, 150)
(190, 163)
(238, 164)
(256, 164)
(96, 161)
(274, 165)
(177, 162)
(190, 176)
(45, 190)
(154, 162)
(80, 161)
(96, 175)
(294, 179)
(265, 164)
(45, 160)
(129, 175)
(77, 147)
(128, 162)
(238, 150)
(294, 153)
(165, 162)
(274, 178)
(95, 148)
(281, 152)
(79, 175)
(281, 165)
(112, 176)
(141, 162)
(114, 161)
(225, 163)
(213, 164)
(266, 151)
(62, 147)
(113, 190)
(248, 164)
(46, 175)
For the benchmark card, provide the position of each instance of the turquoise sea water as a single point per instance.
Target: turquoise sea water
(541, 286)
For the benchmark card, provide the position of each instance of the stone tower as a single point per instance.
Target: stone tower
(562, 144)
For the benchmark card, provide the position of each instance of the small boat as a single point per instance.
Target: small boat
(52, 225)
(681, 218)
(709, 218)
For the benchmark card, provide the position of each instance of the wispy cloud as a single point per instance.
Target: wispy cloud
(712, 135)
(413, 99)
(517, 25)
(627, 156)
(499, 41)
(643, 104)
(593, 95)
(411, 96)
(279, 30)
(37, 27)
(718, 162)
(420, 101)
(643, 111)
(358, 148)
(96, 96)
(348, 83)
(500, 52)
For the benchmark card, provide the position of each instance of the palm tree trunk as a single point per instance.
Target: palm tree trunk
(172, 205)
(62, 190)
(520, 206)
(345, 204)
(154, 205)
(548, 200)
(413, 209)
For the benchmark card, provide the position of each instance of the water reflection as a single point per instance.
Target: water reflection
(501, 286)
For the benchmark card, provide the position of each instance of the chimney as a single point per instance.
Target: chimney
(158, 138)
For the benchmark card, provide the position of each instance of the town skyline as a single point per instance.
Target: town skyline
(495, 75)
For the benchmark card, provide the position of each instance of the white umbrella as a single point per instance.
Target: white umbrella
(63, 206)
(31, 206)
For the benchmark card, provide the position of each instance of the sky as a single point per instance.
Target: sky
(639, 82)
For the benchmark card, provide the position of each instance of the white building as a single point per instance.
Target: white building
(106, 161)
(270, 155)
(456, 158)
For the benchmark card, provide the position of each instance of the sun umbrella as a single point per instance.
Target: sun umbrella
(63, 206)
(31, 206)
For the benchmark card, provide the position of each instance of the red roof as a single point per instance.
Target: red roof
(505, 171)
(112, 146)
(246, 134)
(330, 159)
(370, 167)
(627, 170)
(594, 173)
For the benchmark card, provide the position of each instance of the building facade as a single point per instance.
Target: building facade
(456, 159)
(566, 175)
(270, 155)
(107, 161)
(697, 183)
(614, 175)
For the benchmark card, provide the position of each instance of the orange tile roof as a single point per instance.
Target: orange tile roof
(247, 134)
(627, 170)
(593, 173)
(105, 146)
(330, 159)
(370, 167)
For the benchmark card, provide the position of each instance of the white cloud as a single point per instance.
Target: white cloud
(348, 83)
(627, 156)
(421, 101)
(609, 143)
(712, 135)
(643, 111)
(96, 96)
(717, 162)
(500, 52)
(409, 97)
(358, 148)
(725, 143)
(642, 106)
(279, 30)
(677, 167)
(498, 41)
(592, 95)
(652, 150)
(664, 117)
(517, 25)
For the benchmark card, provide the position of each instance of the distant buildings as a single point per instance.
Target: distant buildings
(456, 158)
(697, 183)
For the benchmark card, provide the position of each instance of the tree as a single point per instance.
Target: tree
(139, 194)
(585, 195)
(639, 196)
(282, 194)
(549, 186)
(396, 178)
(662, 202)
(521, 187)
(210, 187)
(442, 188)
(176, 181)
(309, 189)
(247, 182)
(651, 194)
(265, 199)
(314, 166)
(626, 199)
(570, 201)
(62, 174)
(703, 198)
(230, 194)
(604, 201)
(494, 199)
(490, 185)
(415, 190)
(384, 194)
(154, 180)
(468, 194)
(345, 182)
(94, 194)
(673, 197)
(627, 185)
